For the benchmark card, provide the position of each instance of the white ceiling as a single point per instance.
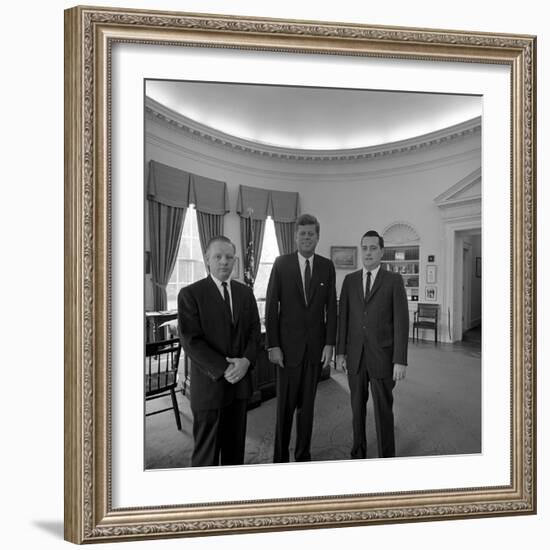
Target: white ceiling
(313, 118)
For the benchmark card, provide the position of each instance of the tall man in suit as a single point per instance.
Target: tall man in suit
(219, 329)
(301, 334)
(372, 345)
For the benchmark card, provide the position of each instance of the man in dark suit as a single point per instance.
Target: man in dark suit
(373, 328)
(219, 330)
(300, 333)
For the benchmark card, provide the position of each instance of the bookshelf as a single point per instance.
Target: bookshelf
(405, 261)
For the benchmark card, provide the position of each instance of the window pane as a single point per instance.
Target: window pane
(184, 275)
(199, 271)
(262, 279)
(192, 220)
(188, 223)
(270, 249)
(261, 312)
(174, 277)
(185, 246)
(172, 294)
(195, 250)
(189, 265)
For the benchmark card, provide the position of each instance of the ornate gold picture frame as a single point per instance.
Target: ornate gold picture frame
(90, 36)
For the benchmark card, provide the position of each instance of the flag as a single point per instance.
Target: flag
(249, 260)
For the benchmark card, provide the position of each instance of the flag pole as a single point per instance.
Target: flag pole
(250, 259)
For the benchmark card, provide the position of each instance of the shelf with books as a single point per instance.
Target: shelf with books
(405, 261)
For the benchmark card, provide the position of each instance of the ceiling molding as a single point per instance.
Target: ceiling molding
(304, 171)
(205, 133)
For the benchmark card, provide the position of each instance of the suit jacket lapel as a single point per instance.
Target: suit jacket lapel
(315, 277)
(357, 286)
(236, 301)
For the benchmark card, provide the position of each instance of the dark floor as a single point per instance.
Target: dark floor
(437, 412)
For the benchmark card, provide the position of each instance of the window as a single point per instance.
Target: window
(270, 251)
(190, 263)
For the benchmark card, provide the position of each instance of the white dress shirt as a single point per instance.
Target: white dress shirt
(302, 262)
(220, 288)
(373, 274)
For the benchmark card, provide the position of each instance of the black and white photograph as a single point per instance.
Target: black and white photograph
(300, 263)
(266, 340)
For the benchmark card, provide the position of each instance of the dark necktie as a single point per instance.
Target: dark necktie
(367, 287)
(307, 280)
(227, 300)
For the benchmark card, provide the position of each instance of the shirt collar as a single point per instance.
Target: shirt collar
(373, 273)
(219, 283)
(302, 260)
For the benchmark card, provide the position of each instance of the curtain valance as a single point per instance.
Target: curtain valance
(168, 185)
(208, 195)
(174, 187)
(282, 206)
(254, 200)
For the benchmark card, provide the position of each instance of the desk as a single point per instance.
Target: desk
(153, 320)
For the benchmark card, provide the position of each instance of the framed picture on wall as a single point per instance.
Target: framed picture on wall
(431, 293)
(109, 495)
(431, 274)
(344, 257)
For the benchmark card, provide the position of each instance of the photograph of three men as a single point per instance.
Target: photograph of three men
(312, 274)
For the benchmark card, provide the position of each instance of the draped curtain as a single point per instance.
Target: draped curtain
(168, 198)
(285, 209)
(285, 236)
(169, 193)
(211, 203)
(166, 224)
(210, 225)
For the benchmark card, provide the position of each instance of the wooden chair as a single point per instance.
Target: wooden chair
(161, 369)
(426, 317)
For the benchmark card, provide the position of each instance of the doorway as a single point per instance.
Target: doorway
(467, 275)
